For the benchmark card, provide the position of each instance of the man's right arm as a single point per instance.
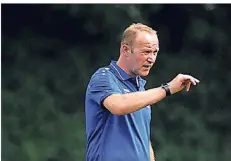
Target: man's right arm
(121, 104)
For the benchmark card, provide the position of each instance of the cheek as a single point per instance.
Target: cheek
(140, 61)
(154, 59)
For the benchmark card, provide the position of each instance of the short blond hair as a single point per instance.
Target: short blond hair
(130, 33)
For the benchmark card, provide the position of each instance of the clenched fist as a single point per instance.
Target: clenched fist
(181, 81)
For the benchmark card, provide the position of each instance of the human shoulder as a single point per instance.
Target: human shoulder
(103, 79)
(102, 74)
(103, 71)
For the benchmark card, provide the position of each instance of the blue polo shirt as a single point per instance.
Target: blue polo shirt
(111, 137)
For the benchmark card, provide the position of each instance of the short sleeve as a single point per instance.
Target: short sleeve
(102, 85)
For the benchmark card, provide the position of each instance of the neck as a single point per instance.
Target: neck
(123, 65)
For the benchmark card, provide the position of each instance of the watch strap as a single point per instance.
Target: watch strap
(165, 86)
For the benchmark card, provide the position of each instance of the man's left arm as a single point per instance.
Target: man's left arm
(152, 155)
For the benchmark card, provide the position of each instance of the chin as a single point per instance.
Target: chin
(144, 74)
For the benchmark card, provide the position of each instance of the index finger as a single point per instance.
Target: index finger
(192, 79)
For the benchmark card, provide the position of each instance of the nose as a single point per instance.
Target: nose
(151, 59)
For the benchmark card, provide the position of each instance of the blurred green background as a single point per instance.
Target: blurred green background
(50, 51)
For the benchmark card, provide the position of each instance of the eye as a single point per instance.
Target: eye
(147, 52)
(155, 52)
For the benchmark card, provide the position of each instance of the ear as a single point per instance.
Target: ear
(125, 49)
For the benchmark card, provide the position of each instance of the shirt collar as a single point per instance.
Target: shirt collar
(122, 75)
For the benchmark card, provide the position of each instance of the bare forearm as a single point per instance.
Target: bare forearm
(131, 102)
(152, 155)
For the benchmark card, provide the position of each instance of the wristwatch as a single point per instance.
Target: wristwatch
(165, 86)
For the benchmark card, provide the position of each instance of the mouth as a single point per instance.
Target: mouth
(147, 66)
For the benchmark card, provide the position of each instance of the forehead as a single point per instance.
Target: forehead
(145, 39)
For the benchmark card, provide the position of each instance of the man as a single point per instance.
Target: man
(118, 109)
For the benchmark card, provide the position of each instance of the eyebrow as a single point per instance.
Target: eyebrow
(150, 47)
